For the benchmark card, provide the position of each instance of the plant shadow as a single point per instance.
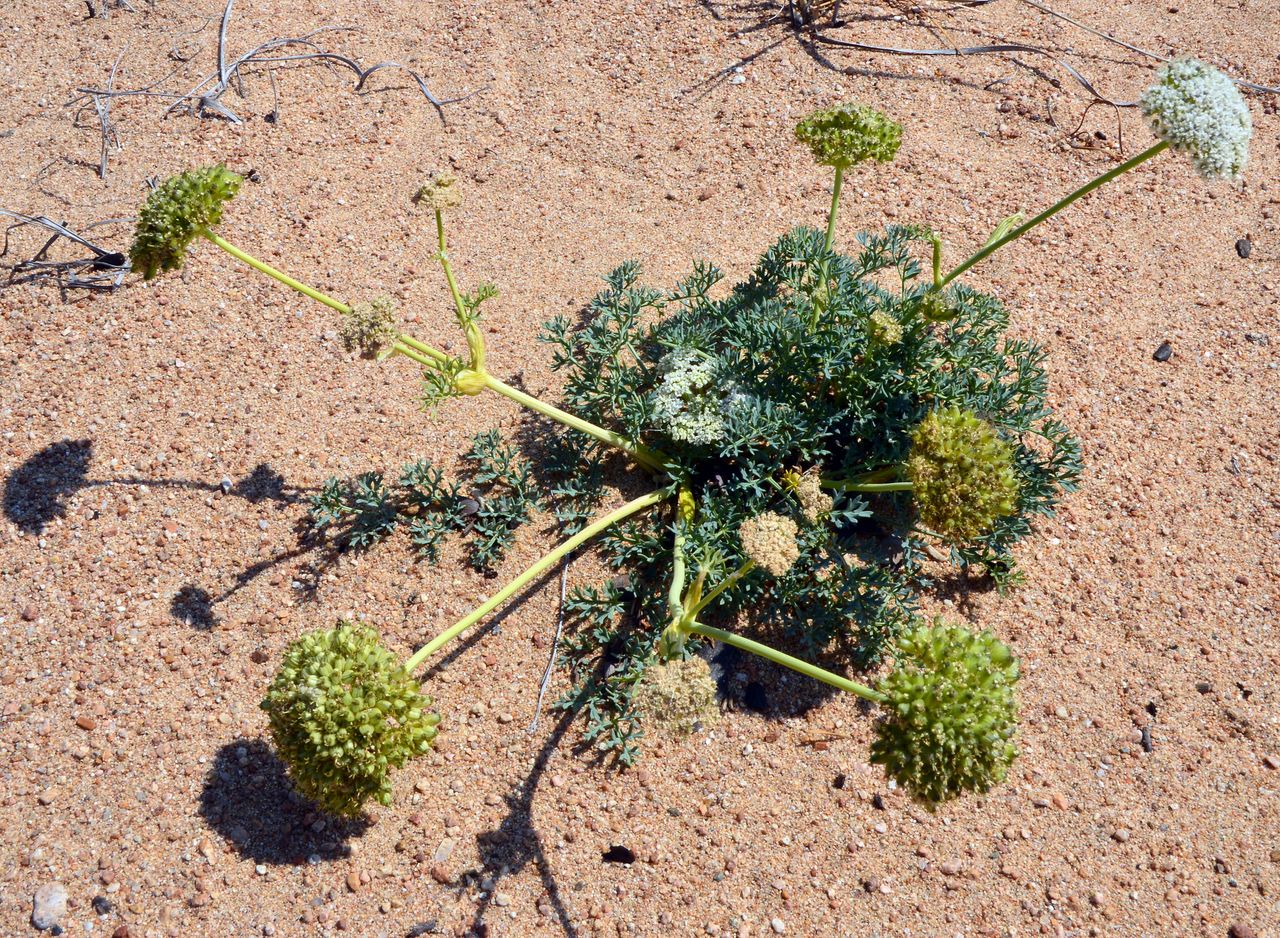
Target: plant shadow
(250, 803)
(516, 843)
(37, 493)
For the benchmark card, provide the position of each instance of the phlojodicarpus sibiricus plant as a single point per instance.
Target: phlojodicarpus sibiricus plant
(835, 401)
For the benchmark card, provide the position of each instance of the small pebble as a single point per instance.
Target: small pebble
(1244, 247)
(1163, 353)
(353, 881)
(48, 906)
(778, 925)
(30, 614)
(1241, 930)
(1121, 836)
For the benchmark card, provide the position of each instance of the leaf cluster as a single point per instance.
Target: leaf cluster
(804, 379)
(488, 503)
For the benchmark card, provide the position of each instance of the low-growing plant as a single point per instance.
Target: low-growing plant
(814, 434)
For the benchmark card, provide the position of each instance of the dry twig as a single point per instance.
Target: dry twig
(101, 270)
(204, 98)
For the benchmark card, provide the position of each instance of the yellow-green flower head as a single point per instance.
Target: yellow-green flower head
(370, 327)
(678, 695)
(951, 714)
(1199, 111)
(883, 329)
(769, 540)
(934, 306)
(962, 475)
(849, 133)
(344, 713)
(440, 194)
(175, 212)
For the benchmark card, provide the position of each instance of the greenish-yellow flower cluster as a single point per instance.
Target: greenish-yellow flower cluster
(962, 475)
(175, 212)
(952, 715)
(769, 540)
(678, 696)
(343, 713)
(935, 306)
(370, 327)
(850, 133)
(883, 329)
(440, 194)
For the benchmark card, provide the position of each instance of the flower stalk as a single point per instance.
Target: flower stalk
(788, 661)
(533, 572)
(1055, 208)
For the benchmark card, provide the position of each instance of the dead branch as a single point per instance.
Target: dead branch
(102, 269)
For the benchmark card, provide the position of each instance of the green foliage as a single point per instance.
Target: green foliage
(505, 495)
(797, 371)
(951, 713)
(175, 212)
(490, 504)
(344, 713)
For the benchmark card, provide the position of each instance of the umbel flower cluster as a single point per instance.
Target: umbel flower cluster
(962, 475)
(816, 438)
(952, 715)
(344, 714)
(175, 213)
(1199, 111)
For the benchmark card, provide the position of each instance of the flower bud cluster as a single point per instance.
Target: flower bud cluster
(962, 475)
(850, 133)
(175, 212)
(343, 713)
(678, 695)
(951, 715)
(440, 194)
(370, 327)
(769, 540)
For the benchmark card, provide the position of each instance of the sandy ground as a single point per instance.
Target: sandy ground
(134, 768)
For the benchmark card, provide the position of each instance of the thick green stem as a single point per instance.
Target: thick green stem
(276, 274)
(650, 458)
(686, 508)
(538, 568)
(835, 209)
(787, 661)
(846, 485)
(1055, 208)
(937, 260)
(423, 348)
(400, 349)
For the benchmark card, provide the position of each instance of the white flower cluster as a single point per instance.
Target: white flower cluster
(1199, 110)
(688, 403)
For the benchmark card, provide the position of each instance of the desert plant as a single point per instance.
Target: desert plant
(814, 434)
